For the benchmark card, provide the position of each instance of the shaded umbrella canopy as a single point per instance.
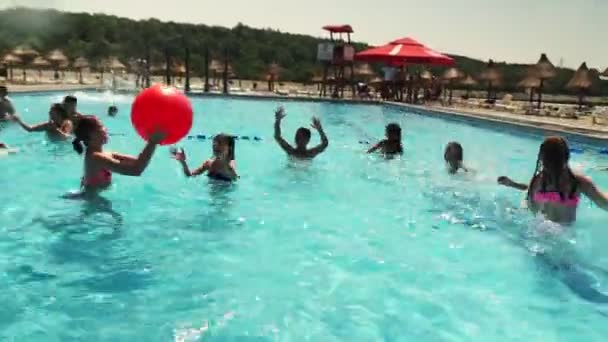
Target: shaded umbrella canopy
(319, 78)
(57, 56)
(274, 69)
(468, 81)
(24, 51)
(530, 82)
(114, 64)
(452, 74)
(404, 50)
(155, 68)
(11, 59)
(490, 74)
(605, 73)
(364, 69)
(216, 65)
(581, 79)
(544, 68)
(81, 63)
(376, 80)
(316, 79)
(179, 68)
(40, 62)
(426, 75)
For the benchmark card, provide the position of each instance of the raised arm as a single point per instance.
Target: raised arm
(35, 128)
(592, 192)
(180, 156)
(506, 181)
(134, 166)
(316, 124)
(376, 147)
(278, 116)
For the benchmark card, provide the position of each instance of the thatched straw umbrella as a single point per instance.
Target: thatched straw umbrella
(27, 55)
(217, 67)
(468, 82)
(57, 58)
(530, 82)
(364, 70)
(40, 64)
(605, 73)
(11, 60)
(581, 82)
(79, 64)
(179, 69)
(114, 64)
(376, 81)
(450, 76)
(543, 70)
(272, 74)
(492, 76)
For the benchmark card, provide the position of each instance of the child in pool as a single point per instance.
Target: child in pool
(221, 167)
(302, 138)
(112, 111)
(6, 106)
(554, 189)
(453, 157)
(99, 165)
(58, 126)
(392, 144)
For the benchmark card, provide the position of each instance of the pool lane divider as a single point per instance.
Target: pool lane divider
(581, 150)
(237, 137)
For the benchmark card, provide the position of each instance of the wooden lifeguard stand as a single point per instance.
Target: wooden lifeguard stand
(336, 56)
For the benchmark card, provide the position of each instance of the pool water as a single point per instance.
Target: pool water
(349, 247)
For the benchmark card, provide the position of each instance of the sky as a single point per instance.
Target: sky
(569, 31)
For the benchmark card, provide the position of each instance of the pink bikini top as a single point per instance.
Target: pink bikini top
(554, 197)
(102, 178)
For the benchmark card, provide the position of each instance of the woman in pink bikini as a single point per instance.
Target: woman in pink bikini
(99, 165)
(554, 189)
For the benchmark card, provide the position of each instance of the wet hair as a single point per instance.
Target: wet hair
(112, 110)
(553, 155)
(393, 128)
(59, 109)
(304, 131)
(82, 133)
(226, 139)
(70, 99)
(457, 147)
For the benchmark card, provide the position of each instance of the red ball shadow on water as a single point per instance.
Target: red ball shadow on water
(163, 108)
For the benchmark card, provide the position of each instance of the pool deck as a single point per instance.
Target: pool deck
(579, 129)
(33, 88)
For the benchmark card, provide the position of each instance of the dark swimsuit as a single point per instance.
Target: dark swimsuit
(220, 177)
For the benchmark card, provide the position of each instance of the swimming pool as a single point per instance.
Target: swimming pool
(349, 247)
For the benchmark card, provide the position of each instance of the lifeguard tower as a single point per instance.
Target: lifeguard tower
(337, 55)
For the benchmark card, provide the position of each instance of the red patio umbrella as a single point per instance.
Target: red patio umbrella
(405, 50)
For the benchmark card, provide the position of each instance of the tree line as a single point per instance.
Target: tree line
(250, 50)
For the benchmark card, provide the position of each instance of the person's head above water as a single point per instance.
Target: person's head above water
(223, 146)
(553, 155)
(90, 132)
(552, 162)
(3, 91)
(302, 137)
(453, 156)
(70, 102)
(393, 132)
(112, 110)
(57, 113)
